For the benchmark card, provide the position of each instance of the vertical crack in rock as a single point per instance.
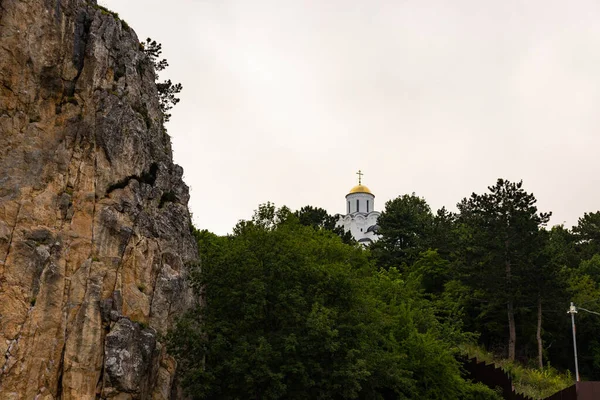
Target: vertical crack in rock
(10, 238)
(95, 197)
(122, 255)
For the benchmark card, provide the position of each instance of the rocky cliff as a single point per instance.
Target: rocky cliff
(94, 229)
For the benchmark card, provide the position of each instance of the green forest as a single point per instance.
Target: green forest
(290, 307)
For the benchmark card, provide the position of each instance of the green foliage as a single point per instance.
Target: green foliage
(587, 234)
(106, 11)
(537, 383)
(590, 267)
(432, 271)
(479, 391)
(500, 246)
(167, 90)
(495, 259)
(444, 236)
(583, 288)
(405, 226)
(293, 312)
(318, 218)
(531, 382)
(561, 247)
(277, 317)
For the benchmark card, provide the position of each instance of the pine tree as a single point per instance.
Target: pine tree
(500, 237)
(167, 90)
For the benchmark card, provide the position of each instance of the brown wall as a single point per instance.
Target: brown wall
(579, 391)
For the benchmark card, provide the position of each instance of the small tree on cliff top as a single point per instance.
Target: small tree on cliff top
(167, 90)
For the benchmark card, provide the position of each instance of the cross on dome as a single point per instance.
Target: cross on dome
(360, 174)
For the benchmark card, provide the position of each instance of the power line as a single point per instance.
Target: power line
(590, 301)
(584, 309)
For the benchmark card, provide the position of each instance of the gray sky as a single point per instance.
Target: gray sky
(284, 100)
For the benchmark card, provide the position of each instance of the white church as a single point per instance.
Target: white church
(361, 218)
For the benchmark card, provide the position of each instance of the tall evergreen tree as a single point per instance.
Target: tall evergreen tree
(500, 237)
(319, 218)
(587, 233)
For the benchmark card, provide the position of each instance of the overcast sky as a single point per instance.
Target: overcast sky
(284, 100)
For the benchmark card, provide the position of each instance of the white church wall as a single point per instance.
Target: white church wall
(363, 199)
(358, 224)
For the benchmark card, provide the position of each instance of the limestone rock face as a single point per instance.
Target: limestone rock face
(95, 238)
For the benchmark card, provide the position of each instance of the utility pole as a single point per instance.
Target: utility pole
(573, 311)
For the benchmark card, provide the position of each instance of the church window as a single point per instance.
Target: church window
(357, 208)
(348, 207)
(367, 205)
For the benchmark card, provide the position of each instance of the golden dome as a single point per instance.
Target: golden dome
(360, 189)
